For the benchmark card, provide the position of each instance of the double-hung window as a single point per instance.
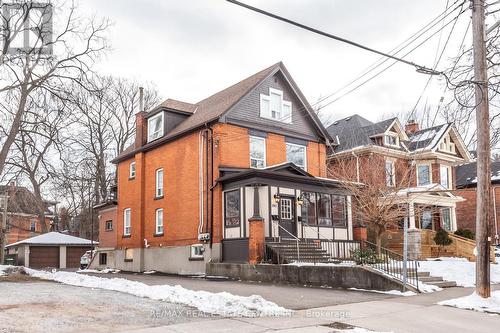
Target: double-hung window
(155, 127)
(127, 222)
(257, 152)
(391, 140)
(131, 170)
(390, 176)
(159, 183)
(296, 154)
(423, 174)
(159, 221)
(33, 225)
(109, 225)
(445, 176)
(274, 107)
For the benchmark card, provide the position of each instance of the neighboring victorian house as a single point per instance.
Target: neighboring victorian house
(198, 172)
(22, 219)
(418, 163)
(466, 184)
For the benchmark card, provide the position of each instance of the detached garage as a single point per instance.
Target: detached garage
(53, 249)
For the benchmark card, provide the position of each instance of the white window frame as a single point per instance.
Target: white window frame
(266, 112)
(197, 251)
(159, 183)
(430, 173)
(305, 154)
(391, 182)
(159, 221)
(33, 225)
(158, 134)
(127, 221)
(131, 170)
(263, 140)
(448, 176)
(395, 136)
(447, 145)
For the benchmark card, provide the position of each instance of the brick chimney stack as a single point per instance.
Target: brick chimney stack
(140, 123)
(411, 127)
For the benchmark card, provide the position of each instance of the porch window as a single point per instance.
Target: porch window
(423, 174)
(445, 176)
(339, 210)
(426, 220)
(232, 212)
(257, 152)
(159, 221)
(296, 154)
(446, 219)
(126, 222)
(324, 209)
(308, 210)
(155, 127)
(390, 176)
(159, 183)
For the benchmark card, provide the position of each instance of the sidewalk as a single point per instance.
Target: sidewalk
(399, 314)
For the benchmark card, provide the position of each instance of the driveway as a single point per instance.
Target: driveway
(290, 297)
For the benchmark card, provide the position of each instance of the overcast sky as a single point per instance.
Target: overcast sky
(193, 48)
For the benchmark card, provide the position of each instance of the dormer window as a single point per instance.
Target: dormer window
(273, 106)
(155, 127)
(391, 140)
(447, 145)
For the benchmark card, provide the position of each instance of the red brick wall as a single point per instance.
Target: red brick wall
(107, 238)
(20, 228)
(466, 211)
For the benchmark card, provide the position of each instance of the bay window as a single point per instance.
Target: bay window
(257, 152)
(155, 127)
(296, 154)
(423, 174)
(445, 176)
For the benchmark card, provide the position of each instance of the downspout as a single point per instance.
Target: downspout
(200, 180)
(495, 214)
(357, 165)
(212, 185)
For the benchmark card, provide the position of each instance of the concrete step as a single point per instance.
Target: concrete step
(443, 284)
(430, 279)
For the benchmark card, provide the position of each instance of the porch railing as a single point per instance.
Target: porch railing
(336, 248)
(388, 262)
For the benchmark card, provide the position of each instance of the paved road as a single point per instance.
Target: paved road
(290, 297)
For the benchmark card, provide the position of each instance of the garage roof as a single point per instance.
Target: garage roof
(54, 238)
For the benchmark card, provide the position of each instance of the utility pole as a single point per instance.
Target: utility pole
(483, 287)
(3, 227)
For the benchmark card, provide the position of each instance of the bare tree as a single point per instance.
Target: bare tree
(57, 55)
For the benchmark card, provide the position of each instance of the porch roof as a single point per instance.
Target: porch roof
(432, 194)
(285, 175)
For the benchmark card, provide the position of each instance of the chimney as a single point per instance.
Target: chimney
(411, 127)
(140, 123)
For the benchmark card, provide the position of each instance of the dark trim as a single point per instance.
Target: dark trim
(158, 235)
(128, 260)
(244, 224)
(270, 205)
(131, 178)
(158, 198)
(295, 141)
(256, 133)
(126, 236)
(196, 258)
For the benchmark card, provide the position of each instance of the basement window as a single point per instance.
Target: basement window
(197, 251)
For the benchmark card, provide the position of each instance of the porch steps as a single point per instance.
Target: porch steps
(427, 278)
(308, 252)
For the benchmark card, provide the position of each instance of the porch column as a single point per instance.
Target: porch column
(411, 215)
(414, 237)
(256, 231)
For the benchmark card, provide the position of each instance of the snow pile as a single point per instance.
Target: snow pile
(102, 271)
(460, 270)
(149, 272)
(224, 304)
(331, 264)
(3, 268)
(389, 292)
(476, 303)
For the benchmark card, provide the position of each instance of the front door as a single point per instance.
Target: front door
(287, 217)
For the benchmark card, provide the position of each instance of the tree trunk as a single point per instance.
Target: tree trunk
(378, 241)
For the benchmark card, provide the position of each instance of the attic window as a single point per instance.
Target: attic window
(155, 127)
(273, 106)
(447, 145)
(391, 140)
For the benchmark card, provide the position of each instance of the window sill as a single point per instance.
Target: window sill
(126, 236)
(108, 230)
(196, 258)
(158, 235)
(131, 178)
(158, 197)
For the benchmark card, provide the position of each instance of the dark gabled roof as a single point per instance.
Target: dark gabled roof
(355, 131)
(427, 138)
(174, 104)
(212, 108)
(21, 200)
(466, 174)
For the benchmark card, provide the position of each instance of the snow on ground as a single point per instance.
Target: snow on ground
(149, 272)
(460, 270)
(3, 268)
(476, 303)
(333, 264)
(389, 292)
(358, 330)
(223, 303)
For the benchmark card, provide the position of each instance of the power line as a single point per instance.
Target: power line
(420, 68)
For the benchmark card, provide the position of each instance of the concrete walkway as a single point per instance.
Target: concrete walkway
(397, 314)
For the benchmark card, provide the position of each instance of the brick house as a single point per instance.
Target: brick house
(22, 219)
(466, 183)
(197, 173)
(418, 163)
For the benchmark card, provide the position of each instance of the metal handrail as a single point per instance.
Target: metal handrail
(297, 240)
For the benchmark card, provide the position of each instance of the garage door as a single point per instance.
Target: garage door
(73, 255)
(44, 256)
